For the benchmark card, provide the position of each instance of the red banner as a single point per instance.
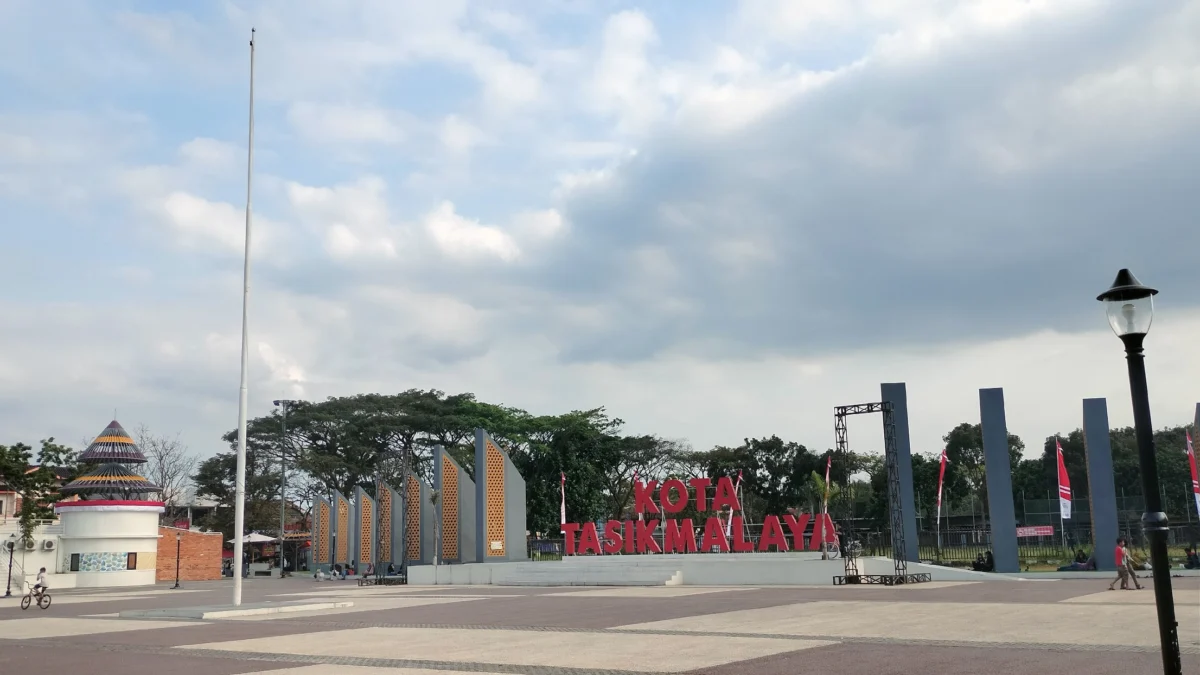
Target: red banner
(1036, 531)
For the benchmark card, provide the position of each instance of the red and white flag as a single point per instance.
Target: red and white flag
(1191, 453)
(729, 523)
(562, 508)
(941, 480)
(635, 482)
(1064, 485)
(825, 503)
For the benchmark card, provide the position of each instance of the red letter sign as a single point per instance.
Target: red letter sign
(740, 545)
(645, 537)
(643, 497)
(612, 537)
(664, 496)
(772, 535)
(589, 541)
(714, 536)
(726, 495)
(569, 530)
(700, 485)
(679, 536)
(797, 528)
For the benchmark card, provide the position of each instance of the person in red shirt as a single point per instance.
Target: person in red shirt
(1122, 560)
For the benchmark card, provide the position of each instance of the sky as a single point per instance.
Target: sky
(717, 219)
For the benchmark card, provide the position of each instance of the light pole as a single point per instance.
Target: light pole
(178, 540)
(12, 546)
(283, 405)
(1130, 309)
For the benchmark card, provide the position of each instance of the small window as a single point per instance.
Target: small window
(74, 562)
(131, 561)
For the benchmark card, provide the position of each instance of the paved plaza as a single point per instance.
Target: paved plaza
(1063, 626)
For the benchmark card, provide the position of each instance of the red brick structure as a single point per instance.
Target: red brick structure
(200, 554)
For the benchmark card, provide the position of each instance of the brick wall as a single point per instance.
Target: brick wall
(200, 554)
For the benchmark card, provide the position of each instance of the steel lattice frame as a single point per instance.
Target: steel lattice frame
(899, 548)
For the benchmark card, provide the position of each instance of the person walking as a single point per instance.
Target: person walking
(1129, 564)
(1124, 567)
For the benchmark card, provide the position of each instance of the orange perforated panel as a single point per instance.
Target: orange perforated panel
(449, 498)
(385, 524)
(323, 533)
(494, 511)
(412, 519)
(343, 531)
(366, 530)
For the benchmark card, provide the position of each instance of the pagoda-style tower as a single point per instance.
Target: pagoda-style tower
(110, 535)
(109, 475)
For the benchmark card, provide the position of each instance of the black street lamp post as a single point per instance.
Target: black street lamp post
(178, 539)
(12, 546)
(1130, 309)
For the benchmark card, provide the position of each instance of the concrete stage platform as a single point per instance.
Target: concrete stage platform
(731, 569)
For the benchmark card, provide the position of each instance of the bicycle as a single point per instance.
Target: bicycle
(43, 598)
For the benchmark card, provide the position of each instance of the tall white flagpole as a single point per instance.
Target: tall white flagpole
(239, 498)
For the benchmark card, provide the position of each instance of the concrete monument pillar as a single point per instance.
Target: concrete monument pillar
(897, 395)
(1102, 491)
(1001, 512)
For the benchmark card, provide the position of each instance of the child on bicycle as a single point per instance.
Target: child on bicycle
(41, 586)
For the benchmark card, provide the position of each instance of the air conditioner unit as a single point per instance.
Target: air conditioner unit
(9, 545)
(31, 545)
(48, 545)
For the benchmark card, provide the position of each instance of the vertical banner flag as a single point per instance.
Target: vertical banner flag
(941, 479)
(635, 482)
(736, 486)
(1191, 453)
(1064, 485)
(825, 505)
(562, 509)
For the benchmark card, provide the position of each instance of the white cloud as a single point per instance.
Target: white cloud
(460, 136)
(333, 124)
(352, 220)
(625, 84)
(198, 221)
(465, 239)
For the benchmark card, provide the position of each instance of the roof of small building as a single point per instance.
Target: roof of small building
(113, 445)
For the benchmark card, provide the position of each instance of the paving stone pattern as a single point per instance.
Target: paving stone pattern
(1028, 627)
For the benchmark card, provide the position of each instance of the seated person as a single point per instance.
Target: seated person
(1192, 561)
(1080, 556)
(391, 570)
(989, 562)
(41, 586)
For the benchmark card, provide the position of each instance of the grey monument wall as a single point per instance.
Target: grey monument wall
(366, 515)
(391, 540)
(455, 510)
(499, 504)
(897, 394)
(428, 524)
(1102, 491)
(1001, 512)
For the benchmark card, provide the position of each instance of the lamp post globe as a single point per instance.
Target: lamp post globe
(1130, 309)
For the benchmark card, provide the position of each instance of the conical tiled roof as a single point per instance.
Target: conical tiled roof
(110, 477)
(113, 445)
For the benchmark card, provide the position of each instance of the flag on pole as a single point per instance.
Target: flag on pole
(562, 508)
(941, 480)
(729, 523)
(1191, 453)
(635, 481)
(825, 503)
(1064, 485)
